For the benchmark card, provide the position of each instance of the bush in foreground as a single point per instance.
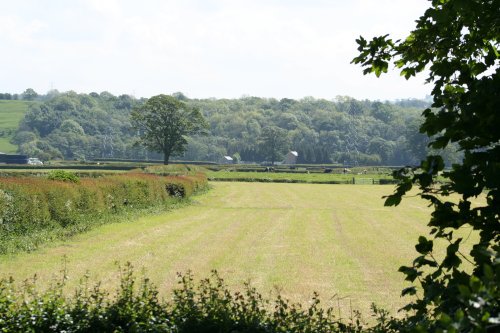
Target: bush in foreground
(208, 306)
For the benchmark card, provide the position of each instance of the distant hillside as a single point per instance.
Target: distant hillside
(347, 131)
(11, 113)
(344, 130)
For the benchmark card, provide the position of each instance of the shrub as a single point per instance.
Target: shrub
(207, 306)
(63, 175)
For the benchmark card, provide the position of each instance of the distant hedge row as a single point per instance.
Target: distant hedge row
(309, 167)
(31, 206)
(153, 161)
(270, 180)
(301, 181)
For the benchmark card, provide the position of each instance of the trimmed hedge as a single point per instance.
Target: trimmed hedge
(270, 180)
(173, 170)
(281, 180)
(34, 204)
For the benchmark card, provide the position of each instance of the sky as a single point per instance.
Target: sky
(203, 48)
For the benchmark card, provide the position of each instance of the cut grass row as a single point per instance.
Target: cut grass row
(338, 240)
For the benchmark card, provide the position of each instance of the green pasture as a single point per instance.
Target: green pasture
(338, 240)
(11, 113)
(314, 177)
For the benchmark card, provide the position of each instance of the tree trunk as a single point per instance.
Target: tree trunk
(166, 157)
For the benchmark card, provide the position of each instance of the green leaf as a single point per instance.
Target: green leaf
(445, 319)
(423, 261)
(459, 315)
(488, 272)
(478, 68)
(409, 291)
(464, 290)
(392, 200)
(475, 284)
(494, 49)
(424, 246)
(410, 272)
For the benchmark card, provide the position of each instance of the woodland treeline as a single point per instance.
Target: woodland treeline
(344, 130)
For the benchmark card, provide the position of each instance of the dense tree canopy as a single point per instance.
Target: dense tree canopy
(78, 126)
(458, 44)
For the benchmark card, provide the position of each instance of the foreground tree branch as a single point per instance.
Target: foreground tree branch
(458, 44)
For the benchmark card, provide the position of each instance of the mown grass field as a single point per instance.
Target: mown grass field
(11, 113)
(338, 240)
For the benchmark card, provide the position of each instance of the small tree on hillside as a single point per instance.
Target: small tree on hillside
(29, 94)
(273, 142)
(163, 123)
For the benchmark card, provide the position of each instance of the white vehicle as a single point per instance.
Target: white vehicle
(34, 161)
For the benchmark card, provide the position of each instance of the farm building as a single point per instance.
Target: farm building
(13, 159)
(226, 160)
(291, 157)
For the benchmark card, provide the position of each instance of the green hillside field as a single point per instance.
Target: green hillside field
(11, 113)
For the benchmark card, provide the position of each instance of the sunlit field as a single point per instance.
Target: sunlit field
(338, 240)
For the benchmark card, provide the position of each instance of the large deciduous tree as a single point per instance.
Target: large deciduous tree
(273, 142)
(457, 44)
(164, 122)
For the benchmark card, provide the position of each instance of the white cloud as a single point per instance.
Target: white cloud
(203, 48)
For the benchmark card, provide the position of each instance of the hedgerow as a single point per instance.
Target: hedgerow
(207, 306)
(174, 169)
(34, 208)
